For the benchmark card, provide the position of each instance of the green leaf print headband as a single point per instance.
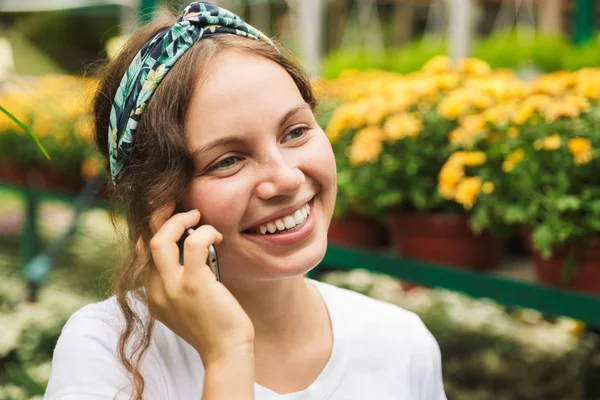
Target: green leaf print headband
(151, 64)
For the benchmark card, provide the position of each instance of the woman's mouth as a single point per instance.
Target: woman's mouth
(288, 229)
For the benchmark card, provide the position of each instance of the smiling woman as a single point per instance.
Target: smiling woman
(220, 123)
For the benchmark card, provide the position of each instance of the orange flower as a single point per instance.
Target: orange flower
(581, 149)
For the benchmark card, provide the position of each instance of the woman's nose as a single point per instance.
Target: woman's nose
(280, 179)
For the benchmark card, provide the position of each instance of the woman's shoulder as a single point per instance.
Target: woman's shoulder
(364, 309)
(106, 313)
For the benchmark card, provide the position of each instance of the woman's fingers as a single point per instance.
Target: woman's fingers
(195, 253)
(165, 252)
(155, 292)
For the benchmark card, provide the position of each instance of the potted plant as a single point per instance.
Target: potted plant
(58, 110)
(391, 144)
(541, 166)
(345, 106)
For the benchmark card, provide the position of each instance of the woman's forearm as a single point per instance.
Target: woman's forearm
(231, 377)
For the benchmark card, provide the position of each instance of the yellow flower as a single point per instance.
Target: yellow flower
(437, 65)
(588, 83)
(529, 106)
(447, 80)
(366, 145)
(581, 149)
(487, 188)
(348, 115)
(473, 66)
(461, 137)
(84, 128)
(501, 113)
(568, 107)
(457, 158)
(450, 174)
(453, 106)
(467, 191)
(90, 168)
(400, 126)
(43, 124)
(513, 159)
(474, 158)
(512, 132)
(552, 142)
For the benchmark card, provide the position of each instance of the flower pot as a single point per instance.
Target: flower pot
(445, 239)
(357, 230)
(41, 177)
(585, 276)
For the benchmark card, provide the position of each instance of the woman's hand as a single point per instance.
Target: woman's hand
(188, 299)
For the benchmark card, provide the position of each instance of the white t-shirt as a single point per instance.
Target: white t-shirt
(380, 351)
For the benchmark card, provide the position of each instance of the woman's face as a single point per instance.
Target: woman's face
(260, 158)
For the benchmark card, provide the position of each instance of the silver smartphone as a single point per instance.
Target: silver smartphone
(212, 260)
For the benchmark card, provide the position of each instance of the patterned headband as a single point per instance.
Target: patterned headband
(151, 64)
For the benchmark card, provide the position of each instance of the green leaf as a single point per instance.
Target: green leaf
(593, 222)
(568, 268)
(543, 239)
(479, 219)
(565, 203)
(515, 215)
(594, 206)
(27, 130)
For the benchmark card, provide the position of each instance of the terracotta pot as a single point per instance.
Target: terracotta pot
(358, 230)
(39, 176)
(586, 274)
(445, 239)
(12, 174)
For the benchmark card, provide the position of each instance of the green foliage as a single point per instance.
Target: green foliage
(547, 191)
(512, 48)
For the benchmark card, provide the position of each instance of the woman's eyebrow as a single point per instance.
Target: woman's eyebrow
(291, 112)
(231, 140)
(224, 141)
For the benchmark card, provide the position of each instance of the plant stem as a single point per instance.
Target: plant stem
(27, 130)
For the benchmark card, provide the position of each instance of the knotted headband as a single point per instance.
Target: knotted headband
(151, 64)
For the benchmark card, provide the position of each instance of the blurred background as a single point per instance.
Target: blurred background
(466, 137)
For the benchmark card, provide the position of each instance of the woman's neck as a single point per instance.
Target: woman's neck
(286, 313)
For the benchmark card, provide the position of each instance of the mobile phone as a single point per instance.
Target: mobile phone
(211, 260)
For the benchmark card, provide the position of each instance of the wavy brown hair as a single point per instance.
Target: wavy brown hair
(160, 165)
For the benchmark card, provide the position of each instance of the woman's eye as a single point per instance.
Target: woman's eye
(225, 163)
(296, 133)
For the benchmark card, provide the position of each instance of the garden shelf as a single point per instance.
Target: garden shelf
(490, 284)
(486, 284)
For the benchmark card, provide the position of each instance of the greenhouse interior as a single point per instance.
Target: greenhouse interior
(463, 133)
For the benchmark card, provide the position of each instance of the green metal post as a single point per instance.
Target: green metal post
(583, 20)
(30, 240)
(146, 9)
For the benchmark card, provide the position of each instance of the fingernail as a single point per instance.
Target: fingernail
(193, 211)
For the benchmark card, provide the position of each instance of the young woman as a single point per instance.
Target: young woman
(204, 121)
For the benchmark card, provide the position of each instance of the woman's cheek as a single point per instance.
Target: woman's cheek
(217, 200)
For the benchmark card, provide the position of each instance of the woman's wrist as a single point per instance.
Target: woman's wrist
(219, 358)
(230, 376)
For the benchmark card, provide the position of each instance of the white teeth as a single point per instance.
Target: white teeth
(289, 222)
(298, 217)
(279, 224)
